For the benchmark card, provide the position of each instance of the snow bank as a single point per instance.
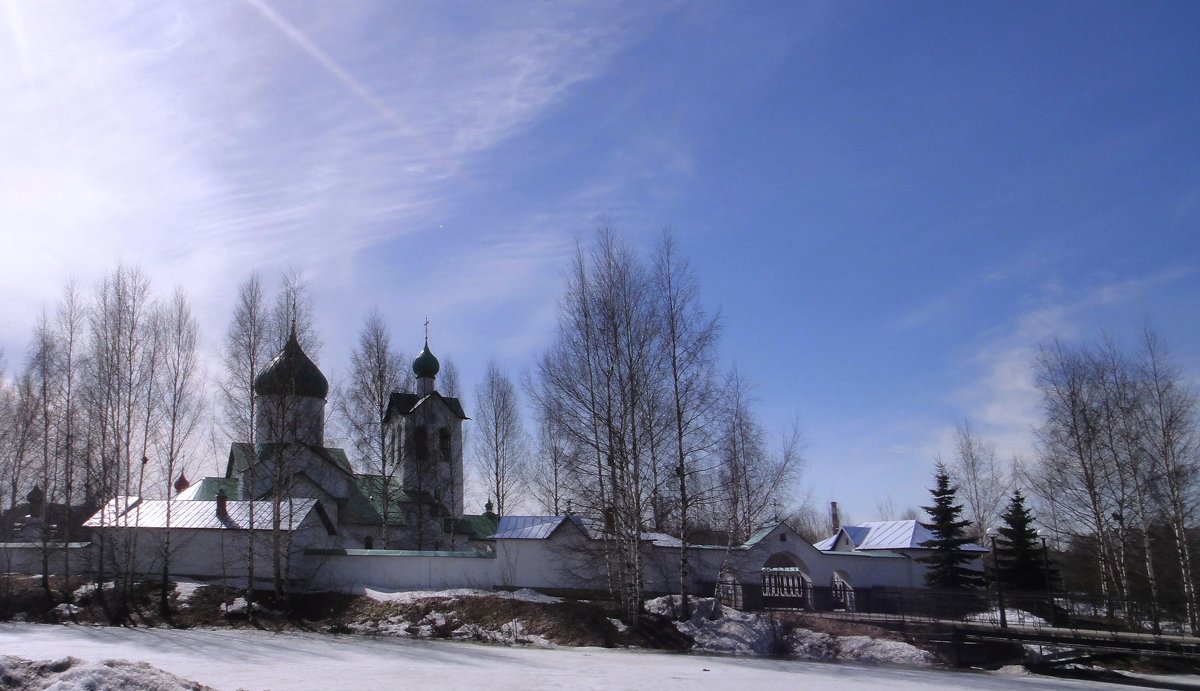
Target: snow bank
(70, 673)
(90, 587)
(405, 596)
(449, 624)
(1014, 617)
(720, 629)
(878, 650)
(186, 589)
(66, 609)
(239, 606)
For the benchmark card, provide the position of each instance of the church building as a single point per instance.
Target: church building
(287, 479)
(300, 511)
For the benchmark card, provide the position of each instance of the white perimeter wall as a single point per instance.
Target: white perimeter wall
(565, 561)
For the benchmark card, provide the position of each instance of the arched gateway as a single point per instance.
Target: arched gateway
(786, 582)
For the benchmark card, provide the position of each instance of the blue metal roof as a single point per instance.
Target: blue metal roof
(888, 535)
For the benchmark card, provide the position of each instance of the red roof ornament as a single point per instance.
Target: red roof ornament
(182, 483)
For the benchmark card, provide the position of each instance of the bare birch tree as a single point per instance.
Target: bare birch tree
(499, 442)
(43, 370)
(70, 323)
(1168, 415)
(450, 383)
(123, 343)
(376, 370)
(246, 350)
(293, 309)
(550, 468)
(754, 479)
(592, 383)
(181, 403)
(688, 341)
(983, 482)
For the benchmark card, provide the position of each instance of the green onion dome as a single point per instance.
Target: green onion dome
(291, 372)
(425, 364)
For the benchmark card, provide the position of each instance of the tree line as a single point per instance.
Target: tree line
(1114, 486)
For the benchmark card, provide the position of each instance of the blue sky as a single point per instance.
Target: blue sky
(891, 204)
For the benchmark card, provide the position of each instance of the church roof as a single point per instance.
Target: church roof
(365, 506)
(292, 372)
(476, 527)
(207, 489)
(134, 512)
(405, 403)
(242, 455)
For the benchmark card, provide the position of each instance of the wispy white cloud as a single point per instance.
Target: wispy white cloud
(1002, 401)
(201, 140)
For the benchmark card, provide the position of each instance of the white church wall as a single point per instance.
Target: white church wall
(26, 557)
(863, 571)
(208, 553)
(566, 560)
(353, 570)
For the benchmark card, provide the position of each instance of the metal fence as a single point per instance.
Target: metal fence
(1007, 609)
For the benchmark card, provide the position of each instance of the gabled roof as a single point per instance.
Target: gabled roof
(536, 527)
(405, 403)
(662, 540)
(907, 534)
(242, 455)
(542, 527)
(527, 527)
(365, 506)
(757, 537)
(133, 512)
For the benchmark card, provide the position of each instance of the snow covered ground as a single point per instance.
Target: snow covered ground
(232, 659)
(719, 629)
(1014, 617)
(524, 594)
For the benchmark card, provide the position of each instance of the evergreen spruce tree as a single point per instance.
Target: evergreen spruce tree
(947, 562)
(1021, 565)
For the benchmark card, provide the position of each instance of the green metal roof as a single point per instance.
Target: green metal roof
(757, 537)
(477, 527)
(365, 503)
(207, 489)
(243, 455)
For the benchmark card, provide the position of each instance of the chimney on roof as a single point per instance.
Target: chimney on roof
(222, 504)
(835, 520)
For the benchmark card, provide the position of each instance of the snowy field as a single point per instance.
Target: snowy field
(229, 659)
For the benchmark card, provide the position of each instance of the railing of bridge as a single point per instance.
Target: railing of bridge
(1034, 610)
